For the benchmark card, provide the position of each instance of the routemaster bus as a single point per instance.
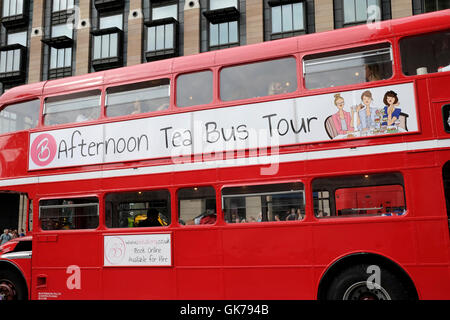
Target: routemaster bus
(313, 167)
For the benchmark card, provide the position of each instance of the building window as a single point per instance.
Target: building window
(360, 11)
(434, 5)
(60, 63)
(60, 40)
(62, 5)
(220, 4)
(288, 20)
(223, 18)
(12, 8)
(108, 43)
(13, 57)
(223, 35)
(17, 38)
(162, 32)
(14, 13)
(165, 11)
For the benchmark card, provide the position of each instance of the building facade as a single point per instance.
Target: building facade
(49, 39)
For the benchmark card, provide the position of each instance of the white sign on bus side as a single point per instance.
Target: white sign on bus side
(138, 250)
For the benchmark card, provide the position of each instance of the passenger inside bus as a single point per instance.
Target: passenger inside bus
(372, 72)
(209, 217)
(153, 219)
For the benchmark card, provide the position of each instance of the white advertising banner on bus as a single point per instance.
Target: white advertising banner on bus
(138, 250)
(348, 114)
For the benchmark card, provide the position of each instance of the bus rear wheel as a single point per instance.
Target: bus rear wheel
(11, 287)
(356, 283)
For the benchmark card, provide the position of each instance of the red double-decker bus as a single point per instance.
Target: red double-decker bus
(310, 167)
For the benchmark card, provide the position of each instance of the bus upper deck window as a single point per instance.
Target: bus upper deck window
(194, 89)
(258, 79)
(350, 66)
(19, 116)
(426, 53)
(76, 107)
(138, 98)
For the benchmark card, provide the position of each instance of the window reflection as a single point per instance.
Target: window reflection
(194, 89)
(138, 98)
(258, 79)
(427, 53)
(264, 203)
(19, 116)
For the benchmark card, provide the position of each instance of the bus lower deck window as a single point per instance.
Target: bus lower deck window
(197, 206)
(349, 66)
(69, 213)
(359, 195)
(138, 209)
(264, 203)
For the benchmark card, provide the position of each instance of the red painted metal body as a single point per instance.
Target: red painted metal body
(245, 261)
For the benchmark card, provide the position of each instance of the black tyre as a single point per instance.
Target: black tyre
(357, 283)
(12, 286)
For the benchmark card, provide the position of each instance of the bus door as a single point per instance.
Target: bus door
(66, 250)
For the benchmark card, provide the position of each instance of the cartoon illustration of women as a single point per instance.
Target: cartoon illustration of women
(366, 112)
(342, 120)
(390, 112)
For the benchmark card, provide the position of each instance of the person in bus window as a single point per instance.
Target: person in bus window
(390, 112)
(86, 115)
(137, 107)
(275, 88)
(152, 220)
(372, 72)
(300, 214)
(292, 215)
(366, 112)
(342, 120)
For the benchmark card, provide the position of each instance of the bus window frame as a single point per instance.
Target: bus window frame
(296, 92)
(110, 85)
(305, 182)
(356, 217)
(100, 211)
(137, 228)
(417, 33)
(27, 99)
(212, 103)
(102, 111)
(176, 211)
(395, 58)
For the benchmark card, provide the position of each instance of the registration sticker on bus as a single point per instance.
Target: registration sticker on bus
(138, 250)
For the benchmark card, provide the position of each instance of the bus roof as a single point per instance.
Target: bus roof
(270, 49)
